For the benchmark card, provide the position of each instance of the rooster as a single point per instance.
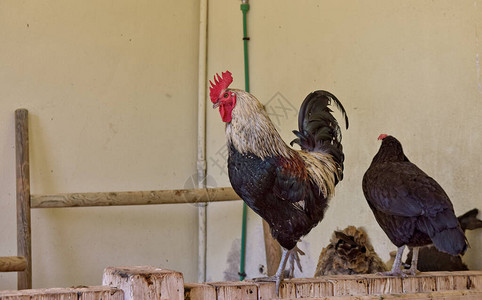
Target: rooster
(411, 207)
(349, 252)
(288, 188)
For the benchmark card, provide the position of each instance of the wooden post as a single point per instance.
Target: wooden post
(145, 282)
(83, 293)
(273, 250)
(24, 246)
(12, 264)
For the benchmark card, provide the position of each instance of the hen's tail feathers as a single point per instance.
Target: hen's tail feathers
(469, 220)
(451, 241)
(318, 130)
(445, 232)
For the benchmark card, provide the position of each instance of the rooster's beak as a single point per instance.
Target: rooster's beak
(216, 105)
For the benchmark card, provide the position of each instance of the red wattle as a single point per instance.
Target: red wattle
(226, 108)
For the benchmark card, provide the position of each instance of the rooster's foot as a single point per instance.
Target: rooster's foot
(265, 279)
(294, 257)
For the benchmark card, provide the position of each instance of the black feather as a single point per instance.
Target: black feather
(318, 130)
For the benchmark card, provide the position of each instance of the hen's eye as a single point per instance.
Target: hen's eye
(225, 95)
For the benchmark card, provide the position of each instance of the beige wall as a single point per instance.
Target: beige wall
(111, 88)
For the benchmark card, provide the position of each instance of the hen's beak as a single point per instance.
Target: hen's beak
(216, 105)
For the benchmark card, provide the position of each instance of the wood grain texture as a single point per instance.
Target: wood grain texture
(12, 263)
(134, 198)
(24, 243)
(239, 290)
(272, 249)
(443, 295)
(83, 293)
(145, 282)
(199, 291)
(429, 285)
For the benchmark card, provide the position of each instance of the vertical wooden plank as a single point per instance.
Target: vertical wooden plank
(379, 284)
(475, 281)
(312, 287)
(287, 290)
(266, 290)
(322, 288)
(349, 285)
(24, 246)
(444, 281)
(273, 250)
(461, 281)
(428, 283)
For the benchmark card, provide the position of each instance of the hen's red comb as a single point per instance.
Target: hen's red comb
(382, 136)
(220, 84)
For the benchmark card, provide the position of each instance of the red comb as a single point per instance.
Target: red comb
(220, 84)
(382, 136)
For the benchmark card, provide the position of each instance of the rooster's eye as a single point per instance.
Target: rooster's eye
(225, 95)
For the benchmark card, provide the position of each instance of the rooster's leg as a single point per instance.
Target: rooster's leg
(278, 277)
(280, 272)
(396, 269)
(294, 255)
(413, 264)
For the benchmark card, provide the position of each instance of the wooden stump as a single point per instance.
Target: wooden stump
(145, 282)
(84, 293)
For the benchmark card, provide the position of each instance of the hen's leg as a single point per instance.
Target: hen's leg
(396, 270)
(413, 264)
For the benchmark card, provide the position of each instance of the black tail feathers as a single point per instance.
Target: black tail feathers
(318, 130)
(444, 231)
(451, 241)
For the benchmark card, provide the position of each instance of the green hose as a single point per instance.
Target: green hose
(244, 9)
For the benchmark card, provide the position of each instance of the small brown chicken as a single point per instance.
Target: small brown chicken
(349, 252)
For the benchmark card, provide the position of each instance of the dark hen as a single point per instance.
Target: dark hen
(411, 207)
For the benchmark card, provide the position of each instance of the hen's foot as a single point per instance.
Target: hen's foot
(395, 273)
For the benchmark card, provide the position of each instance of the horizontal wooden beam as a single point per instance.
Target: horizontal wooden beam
(13, 264)
(134, 198)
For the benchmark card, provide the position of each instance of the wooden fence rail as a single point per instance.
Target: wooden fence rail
(13, 264)
(134, 198)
